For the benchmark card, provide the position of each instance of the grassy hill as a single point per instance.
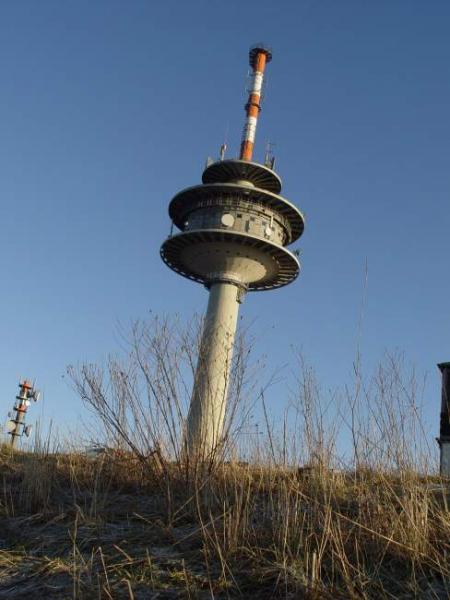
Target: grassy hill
(119, 526)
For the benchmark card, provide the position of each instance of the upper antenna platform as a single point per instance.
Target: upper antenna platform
(257, 49)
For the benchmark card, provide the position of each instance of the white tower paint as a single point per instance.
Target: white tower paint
(207, 410)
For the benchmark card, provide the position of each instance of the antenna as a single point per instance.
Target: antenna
(259, 56)
(269, 158)
(16, 426)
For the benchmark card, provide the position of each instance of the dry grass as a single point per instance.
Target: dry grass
(119, 527)
(138, 522)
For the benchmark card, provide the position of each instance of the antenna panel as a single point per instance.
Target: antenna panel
(10, 426)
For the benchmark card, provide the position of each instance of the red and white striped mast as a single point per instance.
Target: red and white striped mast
(259, 56)
(16, 427)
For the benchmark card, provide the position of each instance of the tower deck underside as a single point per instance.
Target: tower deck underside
(217, 255)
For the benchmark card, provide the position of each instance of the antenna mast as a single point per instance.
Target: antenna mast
(259, 56)
(16, 426)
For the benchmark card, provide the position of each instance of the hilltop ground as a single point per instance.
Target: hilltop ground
(116, 527)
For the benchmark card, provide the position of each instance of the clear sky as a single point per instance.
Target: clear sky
(109, 108)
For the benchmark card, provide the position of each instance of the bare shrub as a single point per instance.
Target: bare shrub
(142, 399)
(384, 416)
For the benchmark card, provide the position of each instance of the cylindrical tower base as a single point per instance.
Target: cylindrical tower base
(16, 432)
(207, 409)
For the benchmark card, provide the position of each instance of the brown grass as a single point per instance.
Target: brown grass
(118, 527)
(139, 522)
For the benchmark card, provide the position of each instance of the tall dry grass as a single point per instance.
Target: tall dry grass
(307, 517)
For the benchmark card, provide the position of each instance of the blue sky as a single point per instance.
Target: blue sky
(109, 108)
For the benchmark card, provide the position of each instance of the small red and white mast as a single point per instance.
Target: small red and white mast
(17, 426)
(259, 56)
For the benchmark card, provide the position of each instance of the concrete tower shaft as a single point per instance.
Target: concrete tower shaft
(207, 410)
(233, 233)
